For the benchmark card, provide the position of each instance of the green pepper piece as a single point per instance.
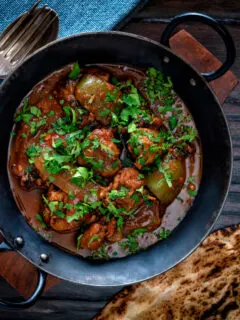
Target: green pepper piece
(98, 96)
(158, 185)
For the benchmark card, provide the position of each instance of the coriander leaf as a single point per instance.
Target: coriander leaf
(104, 112)
(139, 231)
(26, 117)
(33, 151)
(132, 127)
(110, 97)
(166, 173)
(51, 179)
(71, 195)
(192, 193)
(50, 113)
(35, 111)
(164, 233)
(81, 175)
(40, 219)
(165, 109)
(94, 238)
(116, 140)
(79, 241)
(173, 122)
(191, 179)
(75, 71)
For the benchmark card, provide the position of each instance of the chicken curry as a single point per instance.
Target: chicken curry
(104, 160)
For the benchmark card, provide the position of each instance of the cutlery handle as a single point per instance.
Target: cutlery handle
(217, 26)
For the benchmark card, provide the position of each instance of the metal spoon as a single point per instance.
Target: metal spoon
(28, 32)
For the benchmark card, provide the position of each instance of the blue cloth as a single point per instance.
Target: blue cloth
(75, 15)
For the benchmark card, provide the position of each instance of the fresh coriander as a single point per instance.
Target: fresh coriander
(40, 219)
(75, 71)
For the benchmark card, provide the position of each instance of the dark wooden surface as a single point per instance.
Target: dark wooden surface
(68, 301)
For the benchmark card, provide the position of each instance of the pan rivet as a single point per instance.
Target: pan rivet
(19, 241)
(44, 257)
(193, 82)
(166, 59)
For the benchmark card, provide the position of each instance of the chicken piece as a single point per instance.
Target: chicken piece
(50, 139)
(57, 223)
(58, 195)
(144, 145)
(99, 97)
(88, 218)
(101, 153)
(47, 104)
(125, 191)
(113, 235)
(87, 119)
(66, 91)
(148, 217)
(51, 205)
(61, 225)
(44, 88)
(93, 237)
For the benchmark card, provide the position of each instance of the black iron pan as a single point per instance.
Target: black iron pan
(192, 87)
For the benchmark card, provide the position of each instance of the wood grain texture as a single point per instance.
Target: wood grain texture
(203, 60)
(69, 301)
(165, 9)
(21, 274)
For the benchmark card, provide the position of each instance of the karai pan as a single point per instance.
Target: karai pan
(116, 157)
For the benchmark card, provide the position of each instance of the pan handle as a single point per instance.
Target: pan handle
(217, 26)
(10, 305)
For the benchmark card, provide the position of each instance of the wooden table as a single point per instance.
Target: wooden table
(66, 300)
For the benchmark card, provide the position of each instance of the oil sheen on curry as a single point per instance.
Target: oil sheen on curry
(104, 160)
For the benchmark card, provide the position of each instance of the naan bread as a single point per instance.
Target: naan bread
(204, 286)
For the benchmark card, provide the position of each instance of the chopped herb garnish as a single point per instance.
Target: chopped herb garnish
(132, 127)
(192, 193)
(115, 164)
(165, 109)
(35, 111)
(75, 71)
(33, 151)
(104, 113)
(173, 122)
(24, 135)
(51, 179)
(164, 233)
(110, 97)
(131, 243)
(136, 198)
(79, 241)
(116, 140)
(50, 113)
(71, 195)
(158, 88)
(191, 179)
(94, 238)
(40, 219)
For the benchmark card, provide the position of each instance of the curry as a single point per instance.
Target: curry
(104, 160)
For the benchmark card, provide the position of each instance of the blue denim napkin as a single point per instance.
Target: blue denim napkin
(75, 15)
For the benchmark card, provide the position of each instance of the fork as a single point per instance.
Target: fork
(24, 35)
